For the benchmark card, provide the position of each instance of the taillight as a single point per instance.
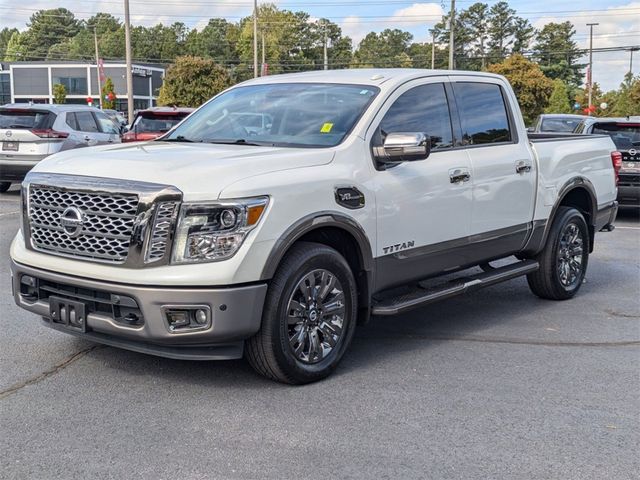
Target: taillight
(616, 161)
(49, 133)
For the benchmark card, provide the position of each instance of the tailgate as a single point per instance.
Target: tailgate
(23, 133)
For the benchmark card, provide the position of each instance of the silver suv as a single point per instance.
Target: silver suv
(31, 132)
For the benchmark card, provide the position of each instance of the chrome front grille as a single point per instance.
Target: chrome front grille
(107, 222)
(162, 226)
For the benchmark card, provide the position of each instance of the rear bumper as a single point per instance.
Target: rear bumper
(629, 195)
(606, 216)
(235, 311)
(15, 169)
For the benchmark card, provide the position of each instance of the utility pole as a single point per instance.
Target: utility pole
(95, 41)
(452, 22)
(433, 50)
(590, 79)
(263, 55)
(631, 50)
(127, 41)
(255, 38)
(325, 57)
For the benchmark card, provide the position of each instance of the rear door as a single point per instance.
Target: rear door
(23, 133)
(88, 128)
(109, 131)
(502, 168)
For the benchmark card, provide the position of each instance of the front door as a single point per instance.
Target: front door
(423, 210)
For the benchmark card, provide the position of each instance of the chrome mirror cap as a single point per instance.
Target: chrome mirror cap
(405, 147)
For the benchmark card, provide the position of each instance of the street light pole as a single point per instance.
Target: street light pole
(631, 50)
(452, 22)
(433, 50)
(95, 41)
(591, 25)
(255, 38)
(325, 57)
(127, 41)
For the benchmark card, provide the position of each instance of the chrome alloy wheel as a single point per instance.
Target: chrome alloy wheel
(570, 255)
(315, 316)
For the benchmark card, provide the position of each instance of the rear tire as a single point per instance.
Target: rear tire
(309, 316)
(563, 261)
(4, 186)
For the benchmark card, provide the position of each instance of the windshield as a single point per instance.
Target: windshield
(156, 123)
(283, 114)
(624, 135)
(559, 124)
(25, 119)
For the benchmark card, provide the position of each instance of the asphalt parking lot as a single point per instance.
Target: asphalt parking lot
(497, 384)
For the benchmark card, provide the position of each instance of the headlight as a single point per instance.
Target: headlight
(215, 231)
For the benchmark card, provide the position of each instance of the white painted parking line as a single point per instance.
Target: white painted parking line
(9, 213)
(628, 228)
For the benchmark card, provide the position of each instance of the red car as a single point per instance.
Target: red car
(154, 122)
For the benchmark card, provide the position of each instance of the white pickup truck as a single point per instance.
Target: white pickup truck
(290, 208)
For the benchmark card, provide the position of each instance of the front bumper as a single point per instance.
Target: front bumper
(236, 313)
(14, 170)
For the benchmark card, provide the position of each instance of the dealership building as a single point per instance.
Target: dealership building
(22, 82)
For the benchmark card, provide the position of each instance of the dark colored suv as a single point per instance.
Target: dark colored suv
(625, 133)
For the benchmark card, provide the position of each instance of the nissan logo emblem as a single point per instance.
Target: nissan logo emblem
(632, 151)
(71, 221)
(8, 133)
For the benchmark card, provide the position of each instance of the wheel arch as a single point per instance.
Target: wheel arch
(337, 231)
(580, 194)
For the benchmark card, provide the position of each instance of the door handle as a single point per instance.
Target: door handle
(459, 175)
(522, 167)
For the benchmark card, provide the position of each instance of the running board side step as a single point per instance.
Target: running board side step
(418, 296)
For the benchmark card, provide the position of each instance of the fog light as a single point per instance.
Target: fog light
(187, 318)
(201, 317)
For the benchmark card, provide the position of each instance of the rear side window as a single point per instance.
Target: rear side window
(567, 125)
(29, 119)
(106, 124)
(483, 113)
(86, 122)
(422, 109)
(71, 121)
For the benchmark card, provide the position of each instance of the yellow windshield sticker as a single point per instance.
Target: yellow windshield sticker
(326, 128)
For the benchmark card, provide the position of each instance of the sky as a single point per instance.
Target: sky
(619, 21)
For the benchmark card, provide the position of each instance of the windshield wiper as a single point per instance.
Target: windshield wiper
(179, 138)
(241, 141)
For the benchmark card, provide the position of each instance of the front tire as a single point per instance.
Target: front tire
(4, 186)
(309, 316)
(563, 261)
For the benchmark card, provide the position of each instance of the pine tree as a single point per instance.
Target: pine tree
(559, 100)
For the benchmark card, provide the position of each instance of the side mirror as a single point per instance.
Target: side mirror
(404, 147)
(531, 129)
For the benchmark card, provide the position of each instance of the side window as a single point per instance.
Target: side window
(421, 109)
(483, 113)
(86, 122)
(71, 120)
(106, 124)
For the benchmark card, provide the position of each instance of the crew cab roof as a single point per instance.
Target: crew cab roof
(389, 77)
(166, 110)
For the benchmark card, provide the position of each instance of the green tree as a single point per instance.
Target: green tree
(383, 49)
(529, 83)
(523, 35)
(47, 28)
(108, 95)
(217, 40)
(59, 93)
(502, 27)
(5, 35)
(559, 102)
(627, 99)
(558, 54)
(16, 48)
(191, 81)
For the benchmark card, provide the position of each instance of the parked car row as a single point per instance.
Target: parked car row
(625, 133)
(31, 132)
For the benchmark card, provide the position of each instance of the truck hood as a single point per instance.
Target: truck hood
(200, 171)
